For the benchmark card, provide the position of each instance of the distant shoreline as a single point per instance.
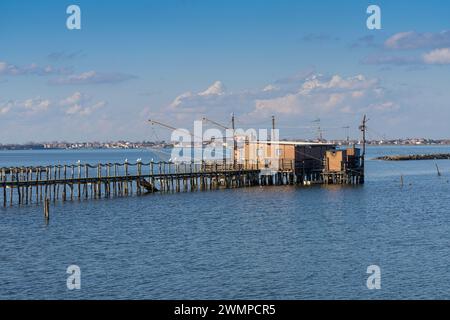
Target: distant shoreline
(164, 145)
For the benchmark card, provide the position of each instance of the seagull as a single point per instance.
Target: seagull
(126, 160)
(139, 160)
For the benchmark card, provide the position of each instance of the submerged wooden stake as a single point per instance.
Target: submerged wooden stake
(437, 168)
(47, 209)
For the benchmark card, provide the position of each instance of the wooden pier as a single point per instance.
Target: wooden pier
(27, 185)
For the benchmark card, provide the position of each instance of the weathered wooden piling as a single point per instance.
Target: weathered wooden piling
(47, 209)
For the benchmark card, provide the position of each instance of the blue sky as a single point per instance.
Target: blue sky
(177, 61)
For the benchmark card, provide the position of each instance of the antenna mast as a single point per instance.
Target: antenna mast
(234, 141)
(363, 128)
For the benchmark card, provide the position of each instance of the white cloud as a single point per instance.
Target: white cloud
(358, 94)
(75, 104)
(438, 56)
(3, 67)
(385, 106)
(217, 89)
(77, 109)
(33, 69)
(287, 104)
(179, 100)
(189, 102)
(315, 95)
(76, 97)
(92, 77)
(80, 104)
(5, 108)
(36, 105)
(320, 95)
(417, 40)
(28, 107)
(270, 87)
(391, 60)
(335, 99)
(74, 109)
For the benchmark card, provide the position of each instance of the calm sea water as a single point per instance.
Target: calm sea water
(255, 243)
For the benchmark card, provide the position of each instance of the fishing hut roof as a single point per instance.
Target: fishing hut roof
(295, 143)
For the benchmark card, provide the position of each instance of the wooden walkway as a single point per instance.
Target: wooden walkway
(41, 184)
(27, 185)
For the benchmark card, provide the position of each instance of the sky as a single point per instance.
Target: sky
(180, 61)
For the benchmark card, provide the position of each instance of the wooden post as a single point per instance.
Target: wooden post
(161, 186)
(138, 181)
(72, 175)
(58, 184)
(54, 184)
(38, 174)
(11, 187)
(99, 178)
(438, 172)
(31, 185)
(46, 183)
(115, 181)
(25, 174)
(79, 180)
(18, 186)
(177, 177)
(108, 183)
(4, 186)
(164, 176)
(152, 173)
(126, 178)
(47, 210)
(86, 173)
(65, 180)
